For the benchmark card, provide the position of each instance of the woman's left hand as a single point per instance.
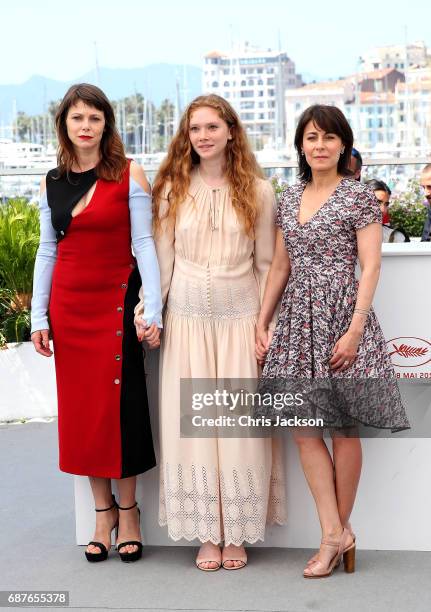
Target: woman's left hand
(344, 352)
(152, 336)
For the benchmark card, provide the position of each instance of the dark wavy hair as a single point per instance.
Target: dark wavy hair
(332, 121)
(113, 160)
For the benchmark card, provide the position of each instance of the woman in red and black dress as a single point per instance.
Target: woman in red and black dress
(93, 206)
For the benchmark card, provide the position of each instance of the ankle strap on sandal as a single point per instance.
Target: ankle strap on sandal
(129, 508)
(114, 505)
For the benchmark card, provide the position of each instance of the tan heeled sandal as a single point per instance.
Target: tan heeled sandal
(344, 551)
(234, 557)
(315, 557)
(203, 558)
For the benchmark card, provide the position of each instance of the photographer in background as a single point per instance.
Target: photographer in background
(383, 194)
(355, 164)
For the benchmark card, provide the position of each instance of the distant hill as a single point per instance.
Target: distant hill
(155, 81)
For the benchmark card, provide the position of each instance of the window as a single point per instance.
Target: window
(226, 84)
(243, 83)
(261, 104)
(246, 104)
(261, 115)
(270, 81)
(246, 93)
(259, 70)
(260, 93)
(247, 116)
(214, 84)
(271, 92)
(250, 82)
(260, 82)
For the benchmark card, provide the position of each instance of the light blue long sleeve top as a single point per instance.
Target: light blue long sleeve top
(143, 248)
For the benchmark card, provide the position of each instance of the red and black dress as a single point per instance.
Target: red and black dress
(103, 417)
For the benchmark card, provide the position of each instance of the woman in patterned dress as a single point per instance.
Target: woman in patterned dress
(327, 329)
(214, 237)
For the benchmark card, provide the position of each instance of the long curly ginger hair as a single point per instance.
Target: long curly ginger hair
(242, 170)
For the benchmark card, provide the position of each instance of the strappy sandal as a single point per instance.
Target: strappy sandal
(236, 557)
(130, 557)
(314, 558)
(346, 552)
(103, 555)
(203, 558)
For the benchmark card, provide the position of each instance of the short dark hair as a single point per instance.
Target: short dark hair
(358, 158)
(332, 121)
(377, 185)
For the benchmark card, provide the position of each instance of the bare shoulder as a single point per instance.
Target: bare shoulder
(138, 174)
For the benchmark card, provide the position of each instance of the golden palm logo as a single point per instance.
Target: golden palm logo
(408, 352)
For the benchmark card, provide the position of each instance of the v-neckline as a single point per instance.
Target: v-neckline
(328, 199)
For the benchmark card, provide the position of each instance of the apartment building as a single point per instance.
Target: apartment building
(367, 99)
(254, 82)
(400, 57)
(413, 100)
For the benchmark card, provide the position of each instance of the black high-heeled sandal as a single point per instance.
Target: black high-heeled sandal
(103, 555)
(136, 554)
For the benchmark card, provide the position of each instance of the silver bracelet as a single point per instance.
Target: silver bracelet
(362, 311)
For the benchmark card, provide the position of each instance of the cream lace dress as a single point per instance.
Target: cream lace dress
(213, 277)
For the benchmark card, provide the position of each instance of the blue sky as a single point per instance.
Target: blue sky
(324, 38)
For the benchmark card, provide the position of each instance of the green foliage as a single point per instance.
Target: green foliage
(408, 211)
(279, 185)
(19, 239)
(15, 325)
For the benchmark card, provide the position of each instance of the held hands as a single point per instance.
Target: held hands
(151, 333)
(344, 352)
(40, 341)
(263, 341)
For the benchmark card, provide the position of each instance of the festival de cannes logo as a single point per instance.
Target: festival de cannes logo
(409, 352)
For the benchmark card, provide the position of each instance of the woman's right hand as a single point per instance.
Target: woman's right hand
(263, 340)
(40, 341)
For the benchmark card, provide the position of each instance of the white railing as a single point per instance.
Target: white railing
(386, 161)
(23, 182)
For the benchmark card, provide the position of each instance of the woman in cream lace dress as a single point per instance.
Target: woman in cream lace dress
(215, 240)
